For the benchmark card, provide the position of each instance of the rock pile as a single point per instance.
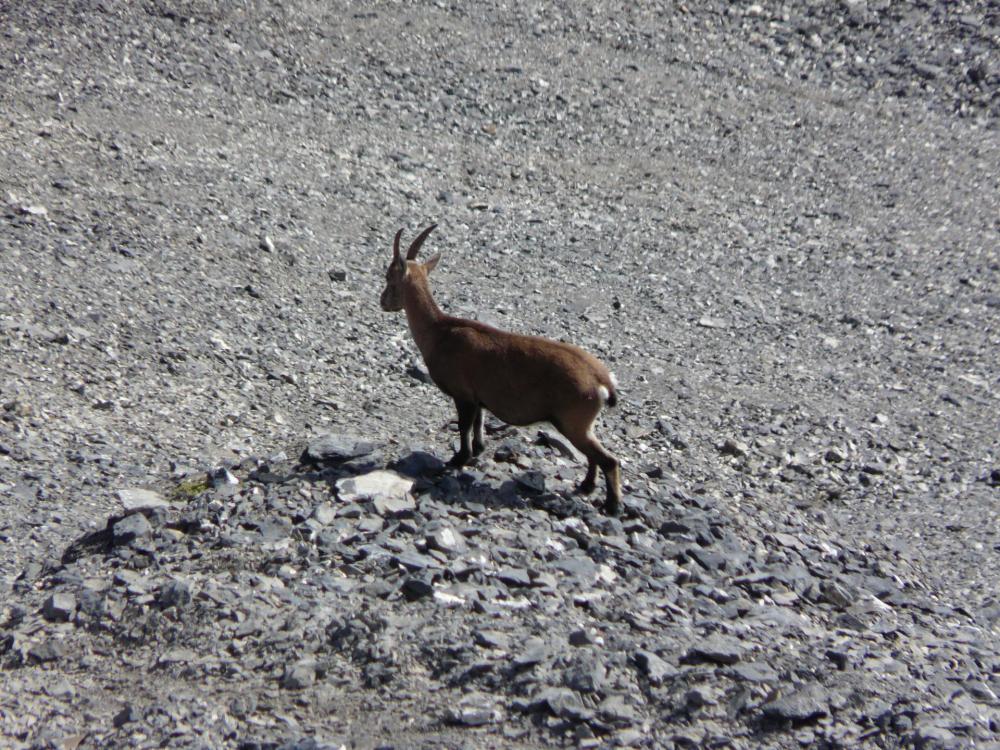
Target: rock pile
(523, 610)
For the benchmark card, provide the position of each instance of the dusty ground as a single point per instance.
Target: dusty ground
(779, 226)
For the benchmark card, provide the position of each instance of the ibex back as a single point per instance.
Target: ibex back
(520, 379)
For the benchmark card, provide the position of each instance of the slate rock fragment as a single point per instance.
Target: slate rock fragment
(141, 501)
(716, 649)
(804, 703)
(337, 447)
(656, 669)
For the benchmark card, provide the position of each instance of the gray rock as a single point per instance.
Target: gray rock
(560, 444)
(447, 540)
(534, 652)
(616, 710)
(337, 447)
(48, 650)
(561, 702)
(533, 481)
(933, 737)
(415, 561)
(131, 528)
(324, 514)
(222, 477)
(754, 671)
(491, 639)
(587, 677)
(514, 576)
(803, 703)
(59, 607)
(141, 501)
(836, 594)
(474, 710)
(299, 676)
(717, 649)
(732, 447)
(175, 593)
(656, 669)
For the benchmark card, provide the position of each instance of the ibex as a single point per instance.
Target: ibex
(520, 379)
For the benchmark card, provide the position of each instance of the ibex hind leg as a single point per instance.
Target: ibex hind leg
(589, 482)
(579, 430)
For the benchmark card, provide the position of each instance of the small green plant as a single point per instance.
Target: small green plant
(189, 489)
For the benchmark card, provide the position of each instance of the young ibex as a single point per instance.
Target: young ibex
(520, 379)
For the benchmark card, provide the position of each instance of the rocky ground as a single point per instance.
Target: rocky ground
(223, 514)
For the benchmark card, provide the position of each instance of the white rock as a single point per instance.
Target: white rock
(137, 500)
(376, 485)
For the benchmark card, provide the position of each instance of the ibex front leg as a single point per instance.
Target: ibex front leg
(477, 432)
(466, 420)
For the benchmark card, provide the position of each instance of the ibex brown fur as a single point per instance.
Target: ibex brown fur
(520, 379)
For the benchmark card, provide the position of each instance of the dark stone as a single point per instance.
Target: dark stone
(131, 528)
(717, 649)
(417, 587)
(533, 481)
(127, 715)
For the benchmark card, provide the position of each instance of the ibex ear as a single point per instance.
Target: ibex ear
(431, 262)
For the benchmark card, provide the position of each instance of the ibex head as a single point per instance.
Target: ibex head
(405, 271)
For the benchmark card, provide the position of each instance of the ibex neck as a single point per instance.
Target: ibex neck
(421, 313)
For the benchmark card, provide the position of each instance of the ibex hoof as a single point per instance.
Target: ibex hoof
(612, 507)
(458, 461)
(585, 488)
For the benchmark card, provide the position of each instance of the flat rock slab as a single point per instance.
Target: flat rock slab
(717, 649)
(141, 501)
(338, 447)
(376, 485)
(803, 704)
